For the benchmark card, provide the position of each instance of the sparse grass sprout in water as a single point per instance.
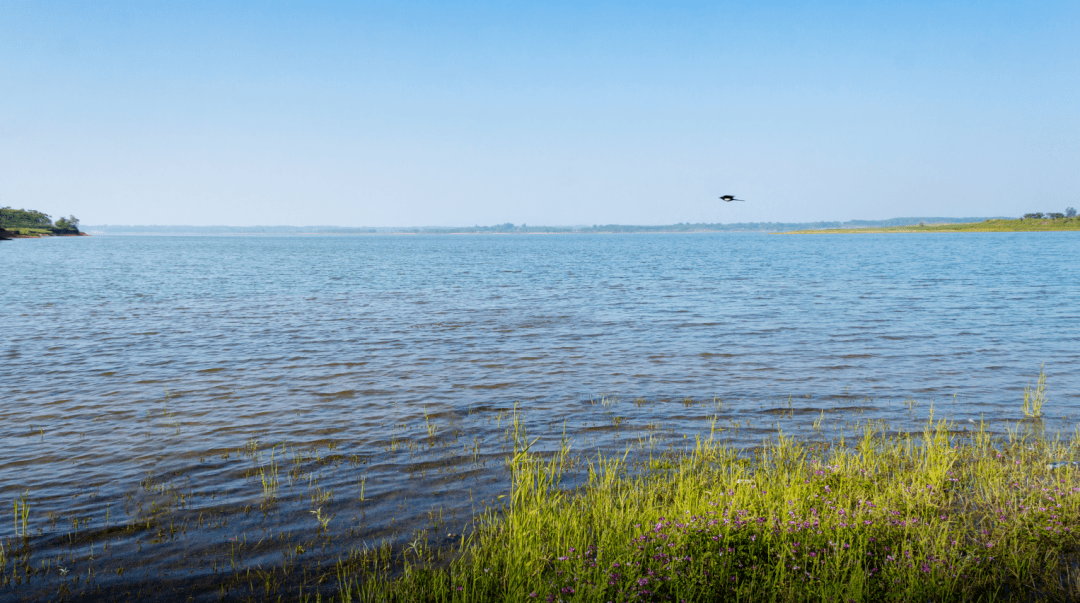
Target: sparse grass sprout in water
(1033, 401)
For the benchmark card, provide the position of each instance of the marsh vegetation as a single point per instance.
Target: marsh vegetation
(1034, 222)
(846, 507)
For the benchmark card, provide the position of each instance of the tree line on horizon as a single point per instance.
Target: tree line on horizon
(38, 221)
(510, 228)
(1038, 215)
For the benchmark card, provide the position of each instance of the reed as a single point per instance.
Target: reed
(22, 515)
(1033, 401)
(883, 517)
(432, 428)
(268, 477)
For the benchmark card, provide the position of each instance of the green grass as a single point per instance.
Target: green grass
(936, 516)
(32, 232)
(1030, 225)
(41, 232)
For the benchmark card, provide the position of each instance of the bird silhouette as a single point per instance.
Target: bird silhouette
(730, 198)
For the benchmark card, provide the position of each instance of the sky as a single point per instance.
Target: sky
(556, 113)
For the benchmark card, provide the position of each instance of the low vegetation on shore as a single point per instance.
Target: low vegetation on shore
(1029, 223)
(24, 223)
(938, 516)
(952, 513)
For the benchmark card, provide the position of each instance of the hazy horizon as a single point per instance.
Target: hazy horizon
(576, 227)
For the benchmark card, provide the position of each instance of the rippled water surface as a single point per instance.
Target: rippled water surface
(380, 372)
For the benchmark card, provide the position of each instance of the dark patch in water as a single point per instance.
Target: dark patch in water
(349, 393)
(494, 386)
(791, 411)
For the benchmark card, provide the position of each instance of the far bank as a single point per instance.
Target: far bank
(992, 225)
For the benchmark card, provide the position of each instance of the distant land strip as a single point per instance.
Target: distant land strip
(509, 228)
(989, 225)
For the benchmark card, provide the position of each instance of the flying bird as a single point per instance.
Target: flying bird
(730, 198)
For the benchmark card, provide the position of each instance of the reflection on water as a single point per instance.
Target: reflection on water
(248, 388)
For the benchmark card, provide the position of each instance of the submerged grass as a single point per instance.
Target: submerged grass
(934, 516)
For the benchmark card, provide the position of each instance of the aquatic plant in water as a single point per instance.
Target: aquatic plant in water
(941, 515)
(1033, 401)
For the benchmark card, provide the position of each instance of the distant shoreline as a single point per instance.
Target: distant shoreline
(11, 235)
(509, 228)
(992, 225)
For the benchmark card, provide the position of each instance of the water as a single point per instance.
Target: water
(137, 369)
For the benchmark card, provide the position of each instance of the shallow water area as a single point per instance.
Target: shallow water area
(244, 396)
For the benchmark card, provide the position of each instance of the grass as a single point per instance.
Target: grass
(31, 232)
(941, 516)
(22, 514)
(1029, 225)
(938, 515)
(1034, 401)
(23, 233)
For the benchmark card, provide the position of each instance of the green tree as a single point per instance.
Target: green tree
(23, 218)
(68, 223)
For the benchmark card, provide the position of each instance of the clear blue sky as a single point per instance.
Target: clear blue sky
(462, 113)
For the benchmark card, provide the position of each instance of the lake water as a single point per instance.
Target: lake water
(151, 378)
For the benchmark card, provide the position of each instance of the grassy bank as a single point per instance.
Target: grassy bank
(32, 233)
(1027, 225)
(938, 516)
(945, 514)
